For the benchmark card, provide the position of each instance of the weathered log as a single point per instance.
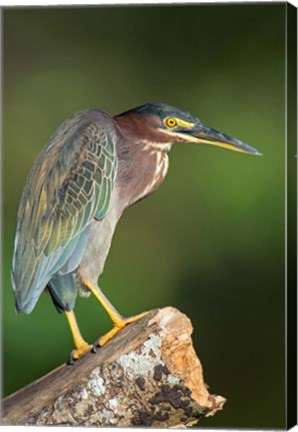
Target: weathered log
(147, 375)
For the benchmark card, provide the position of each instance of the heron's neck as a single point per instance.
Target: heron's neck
(141, 170)
(148, 179)
(155, 147)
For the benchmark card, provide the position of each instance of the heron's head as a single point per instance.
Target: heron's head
(161, 125)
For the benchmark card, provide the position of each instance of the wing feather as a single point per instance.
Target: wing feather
(70, 184)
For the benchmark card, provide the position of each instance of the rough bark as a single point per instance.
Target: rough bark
(148, 375)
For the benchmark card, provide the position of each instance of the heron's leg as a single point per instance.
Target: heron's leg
(118, 320)
(80, 343)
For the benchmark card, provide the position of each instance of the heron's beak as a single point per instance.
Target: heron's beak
(205, 135)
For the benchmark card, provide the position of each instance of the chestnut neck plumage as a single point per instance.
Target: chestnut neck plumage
(142, 161)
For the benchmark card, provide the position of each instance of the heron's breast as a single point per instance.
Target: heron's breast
(98, 246)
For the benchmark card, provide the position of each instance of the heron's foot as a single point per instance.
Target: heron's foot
(119, 324)
(77, 353)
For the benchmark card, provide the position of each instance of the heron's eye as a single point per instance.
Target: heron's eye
(171, 122)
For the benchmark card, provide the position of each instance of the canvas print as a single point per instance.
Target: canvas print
(149, 223)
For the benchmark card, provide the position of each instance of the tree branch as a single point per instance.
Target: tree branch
(147, 375)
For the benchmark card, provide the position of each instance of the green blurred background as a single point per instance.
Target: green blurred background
(211, 240)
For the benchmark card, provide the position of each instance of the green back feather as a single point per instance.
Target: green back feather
(70, 184)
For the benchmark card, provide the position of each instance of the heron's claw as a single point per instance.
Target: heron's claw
(119, 324)
(95, 346)
(77, 353)
(71, 359)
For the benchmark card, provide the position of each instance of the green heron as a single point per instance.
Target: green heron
(91, 170)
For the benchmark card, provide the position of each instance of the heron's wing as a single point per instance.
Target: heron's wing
(69, 185)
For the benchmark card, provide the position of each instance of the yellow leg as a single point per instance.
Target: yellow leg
(80, 344)
(118, 320)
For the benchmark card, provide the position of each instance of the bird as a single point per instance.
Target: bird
(93, 167)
